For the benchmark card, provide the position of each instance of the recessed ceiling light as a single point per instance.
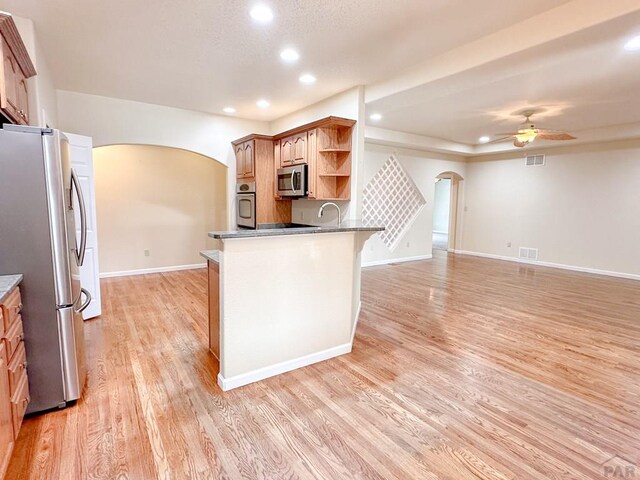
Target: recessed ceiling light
(229, 110)
(261, 13)
(289, 55)
(307, 79)
(263, 103)
(633, 44)
(484, 139)
(375, 117)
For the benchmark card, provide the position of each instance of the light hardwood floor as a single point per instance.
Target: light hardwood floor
(462, 368)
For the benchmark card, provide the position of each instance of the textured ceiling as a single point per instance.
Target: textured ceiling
(204, 55)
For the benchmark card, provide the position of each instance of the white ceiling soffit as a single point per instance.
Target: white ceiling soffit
(418, 142)
(205, 55)
(583, 82)
(424, 143)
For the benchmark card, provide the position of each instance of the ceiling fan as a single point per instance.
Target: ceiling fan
(529, 132)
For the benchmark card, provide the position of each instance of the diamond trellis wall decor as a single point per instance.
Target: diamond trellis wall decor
(392, 199)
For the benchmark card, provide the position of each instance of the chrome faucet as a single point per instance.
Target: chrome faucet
(321, 211)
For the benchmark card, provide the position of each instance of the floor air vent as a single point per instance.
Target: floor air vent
(528, 253)
(535, 160)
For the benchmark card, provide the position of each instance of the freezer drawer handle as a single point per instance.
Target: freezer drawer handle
(86, 302)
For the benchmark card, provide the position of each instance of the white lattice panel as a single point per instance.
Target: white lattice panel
(392, 200)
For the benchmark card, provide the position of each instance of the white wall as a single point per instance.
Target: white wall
(112, 121)
(581, 209)
(347, 104)
(423, 168)
(441, 204)
(164, 200)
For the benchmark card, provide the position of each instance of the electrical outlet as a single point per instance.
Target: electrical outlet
(408, 244)
(509, 244)
(466, 209)
(147, 253)
(302, 215)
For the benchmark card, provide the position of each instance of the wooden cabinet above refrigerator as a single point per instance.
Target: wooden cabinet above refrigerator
(16, 67)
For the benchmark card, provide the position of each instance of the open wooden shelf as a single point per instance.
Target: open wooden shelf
(333, 162)
(333, 187)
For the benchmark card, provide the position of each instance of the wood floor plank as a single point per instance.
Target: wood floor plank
(462, 368)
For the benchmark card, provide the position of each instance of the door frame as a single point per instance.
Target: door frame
(454, 210)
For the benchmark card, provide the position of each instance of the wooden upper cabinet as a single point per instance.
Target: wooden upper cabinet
(15, 69)
(286, 152)
(293, 150)
(23, 100)
(9, 84)
(239, 151)
(249, 159)
(245, 159)
(299, 147)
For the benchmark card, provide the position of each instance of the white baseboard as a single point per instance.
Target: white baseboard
(396, 260)
(573, 268)
(144, 271)
(282, 367)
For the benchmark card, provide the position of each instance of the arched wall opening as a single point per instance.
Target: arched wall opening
(155, 206)
(445, 235)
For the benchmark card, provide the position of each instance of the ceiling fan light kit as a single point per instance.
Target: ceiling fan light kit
(525, 136)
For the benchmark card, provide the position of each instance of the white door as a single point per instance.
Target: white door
(82, 162)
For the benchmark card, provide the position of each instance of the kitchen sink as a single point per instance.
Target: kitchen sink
(285, 225)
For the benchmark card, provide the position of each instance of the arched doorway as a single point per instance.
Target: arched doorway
(445, 211)
(155, 206)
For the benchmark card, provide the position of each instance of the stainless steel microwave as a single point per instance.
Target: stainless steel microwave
(292, 181)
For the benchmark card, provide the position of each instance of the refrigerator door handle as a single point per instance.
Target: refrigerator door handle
(86, 302)
(83, 219)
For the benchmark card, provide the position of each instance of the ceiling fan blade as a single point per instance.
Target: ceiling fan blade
(511, 134)
(498, 140)
(555, 136)
(549, 130)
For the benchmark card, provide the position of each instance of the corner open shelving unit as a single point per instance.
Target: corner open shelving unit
(333, 160)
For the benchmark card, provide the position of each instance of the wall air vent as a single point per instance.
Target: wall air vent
(535, 160)
(528, 253)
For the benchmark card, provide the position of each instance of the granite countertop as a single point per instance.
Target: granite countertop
(7, 284)
(211, 255)
(346, 226)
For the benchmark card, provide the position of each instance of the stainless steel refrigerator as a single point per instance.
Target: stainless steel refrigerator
(40, 196)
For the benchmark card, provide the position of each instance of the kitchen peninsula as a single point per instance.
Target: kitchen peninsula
(283, 298)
